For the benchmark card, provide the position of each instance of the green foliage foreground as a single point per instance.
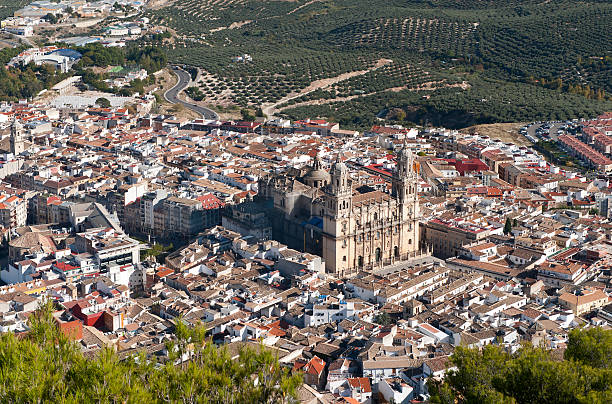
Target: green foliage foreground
(45, 366)
(532, 375)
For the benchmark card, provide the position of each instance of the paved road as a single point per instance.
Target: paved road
(552, 132)
(184, 78)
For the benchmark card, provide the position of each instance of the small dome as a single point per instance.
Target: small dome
(317, 175)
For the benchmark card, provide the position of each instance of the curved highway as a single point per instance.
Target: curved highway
(184, 78)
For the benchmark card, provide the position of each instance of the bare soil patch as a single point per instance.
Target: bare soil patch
(506, 132)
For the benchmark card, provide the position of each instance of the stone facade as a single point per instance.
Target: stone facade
(352, 229)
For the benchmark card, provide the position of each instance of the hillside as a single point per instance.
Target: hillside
(525, 59)
(8, 7)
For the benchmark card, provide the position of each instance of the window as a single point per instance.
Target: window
(378, 255)
(360, 261)
(344, 258)
(396, 252)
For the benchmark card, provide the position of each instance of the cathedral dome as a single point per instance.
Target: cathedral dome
(317, 175)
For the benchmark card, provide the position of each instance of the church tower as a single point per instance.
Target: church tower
(337, 219)
(340, 189)
(405, 177)
(405, 190)
(16, 139)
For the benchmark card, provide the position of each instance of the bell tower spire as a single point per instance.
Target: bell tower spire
(404, 178)
(16, 139)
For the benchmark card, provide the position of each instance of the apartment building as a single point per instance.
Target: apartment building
(13, 211)
(109, 247)
(449, 236)
(176, 215)
(583, 301)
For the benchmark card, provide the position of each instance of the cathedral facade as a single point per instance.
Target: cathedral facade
(352, 228)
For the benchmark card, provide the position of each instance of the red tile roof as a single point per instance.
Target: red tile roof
(315, 366)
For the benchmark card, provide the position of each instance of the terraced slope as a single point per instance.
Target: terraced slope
(558, 51)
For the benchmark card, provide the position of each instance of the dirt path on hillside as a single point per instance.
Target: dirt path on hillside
(157, 4)
(269, 110)
(428, 86)
(234, 25)
(302, 6)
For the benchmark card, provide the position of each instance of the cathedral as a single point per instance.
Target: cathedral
(353, 228)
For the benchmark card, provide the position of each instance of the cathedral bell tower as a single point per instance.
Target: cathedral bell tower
(340, 189)
(404, 186)
(16, 140)
(338, 201)
(405, 190)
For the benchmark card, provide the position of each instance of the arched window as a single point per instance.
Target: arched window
(360, 261)
(396, 251)
(378, 255)
(375, 216)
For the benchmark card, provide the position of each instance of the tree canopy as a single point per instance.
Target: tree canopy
(26, 81)
(103, 102)
(532, 374)
(507, 226)
(43, 365)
